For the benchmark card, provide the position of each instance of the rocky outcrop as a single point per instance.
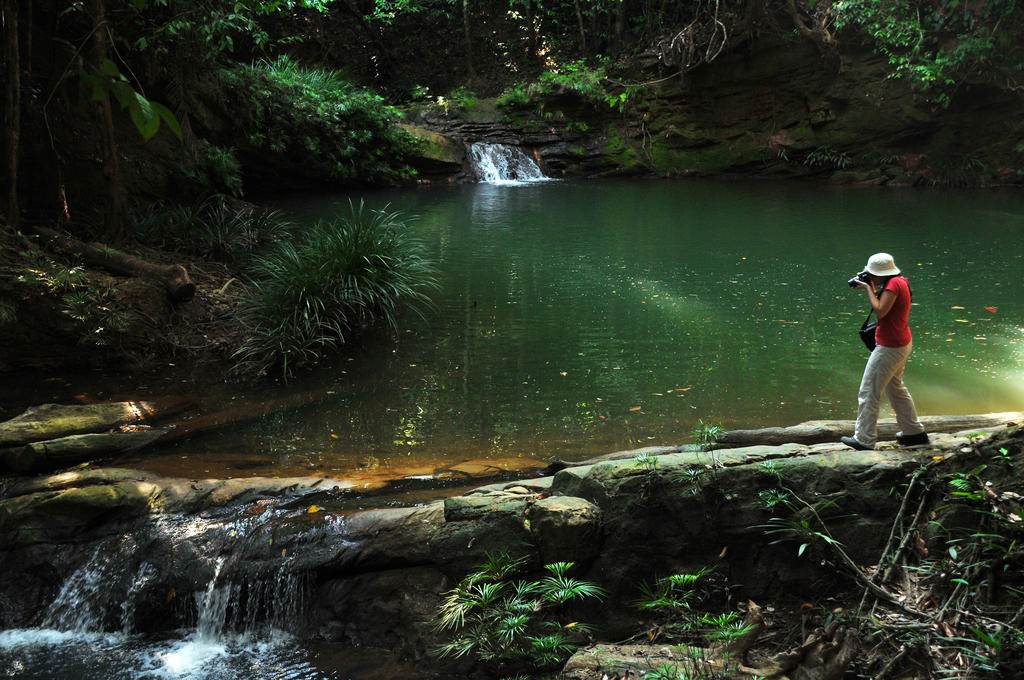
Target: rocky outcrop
(776, 110)
(376, 577)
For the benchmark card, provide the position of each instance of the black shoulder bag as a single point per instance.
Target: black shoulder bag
(867, 333)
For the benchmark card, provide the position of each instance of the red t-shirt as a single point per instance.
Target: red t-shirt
(893, 330)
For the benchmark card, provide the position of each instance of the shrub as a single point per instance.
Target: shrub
(573, 76)
(308, 294)
(315, 121)
(501, 621)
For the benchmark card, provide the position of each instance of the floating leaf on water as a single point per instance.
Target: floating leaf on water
(313, 508)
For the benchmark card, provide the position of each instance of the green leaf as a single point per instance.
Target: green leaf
(109, 69)
(167, 117)
(143, 116)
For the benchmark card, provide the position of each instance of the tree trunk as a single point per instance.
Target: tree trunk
(174, 277)
(12, 107)
(382, 48)
(54, 454)
(115, 220)
(620, 25)
(55, 421)
(579, 19)
(466, 36)
(531, 26)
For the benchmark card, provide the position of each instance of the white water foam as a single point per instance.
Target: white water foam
(504, 164)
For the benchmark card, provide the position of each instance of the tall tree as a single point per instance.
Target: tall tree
(469, 45)
(12, 106)
(116, 212)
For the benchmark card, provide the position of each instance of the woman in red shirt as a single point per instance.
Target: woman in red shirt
(884, 370)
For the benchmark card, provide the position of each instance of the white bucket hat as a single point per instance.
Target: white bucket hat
(881, 264)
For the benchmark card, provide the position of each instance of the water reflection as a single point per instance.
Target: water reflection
(576, 318)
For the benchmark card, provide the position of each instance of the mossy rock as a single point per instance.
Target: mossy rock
(58, 516)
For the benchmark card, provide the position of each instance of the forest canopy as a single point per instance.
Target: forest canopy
(85, 69)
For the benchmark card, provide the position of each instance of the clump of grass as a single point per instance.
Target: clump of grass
(212, 228)
(308, 295)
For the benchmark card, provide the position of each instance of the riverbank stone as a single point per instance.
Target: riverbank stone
(566, 529)
(378, 575)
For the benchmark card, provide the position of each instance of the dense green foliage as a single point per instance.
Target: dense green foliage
(940, 44)
(316, 123)
(311, 291)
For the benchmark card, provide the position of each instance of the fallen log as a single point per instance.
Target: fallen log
(173, 276)
(822, 431)
(64, 452)
(53, 421)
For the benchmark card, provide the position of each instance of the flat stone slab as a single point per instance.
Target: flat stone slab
(819, 431)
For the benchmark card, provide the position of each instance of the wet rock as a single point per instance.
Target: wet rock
(440, 155)
(566, 529)
(73, 513)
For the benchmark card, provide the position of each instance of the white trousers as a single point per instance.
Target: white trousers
(884, 371)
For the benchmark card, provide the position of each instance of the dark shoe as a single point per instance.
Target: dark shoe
(854, 444)
(912, 439)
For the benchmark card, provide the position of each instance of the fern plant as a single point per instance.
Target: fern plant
(501, 621)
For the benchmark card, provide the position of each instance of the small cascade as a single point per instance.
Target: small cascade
(503, 164)
(81, 605)
(243, 617)
(146, 572)
(212, 605)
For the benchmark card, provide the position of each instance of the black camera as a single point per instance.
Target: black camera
(863, 276)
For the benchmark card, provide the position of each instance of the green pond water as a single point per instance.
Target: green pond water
(578, 318)
(573, 319)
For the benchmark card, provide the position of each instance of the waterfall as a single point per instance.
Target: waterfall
(242, 616)
(503, 164)
(85, 597)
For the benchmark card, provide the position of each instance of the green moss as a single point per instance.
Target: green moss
(620, 150)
